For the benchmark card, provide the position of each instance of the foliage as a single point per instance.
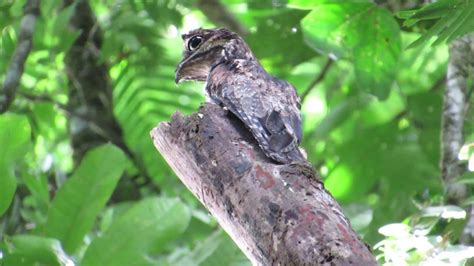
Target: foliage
(371, 126)
(13, 140)
(334, 29)
(71, 216)
(412, 242)
(450, 18)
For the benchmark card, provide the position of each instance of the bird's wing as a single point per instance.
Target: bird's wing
(267, 106)
(294, 106)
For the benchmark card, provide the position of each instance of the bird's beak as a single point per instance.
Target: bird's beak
(178, 70)
(177, 78)
(183, 69)
(189, 69)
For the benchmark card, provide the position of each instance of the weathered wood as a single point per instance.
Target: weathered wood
(277, 214)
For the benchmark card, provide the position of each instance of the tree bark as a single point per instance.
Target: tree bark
(277, 214)
(17, 64)
(91, 99)
(90, 90)
(455, 111)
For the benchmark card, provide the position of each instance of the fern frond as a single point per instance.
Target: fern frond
(451, 18)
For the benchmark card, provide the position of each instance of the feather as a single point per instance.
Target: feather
(267, 106)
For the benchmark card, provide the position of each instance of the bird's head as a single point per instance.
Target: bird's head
(204, 48)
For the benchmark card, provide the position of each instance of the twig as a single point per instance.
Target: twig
(318, 79)
(218, 14)
(438, 84)
(42, 98)
(25, 42)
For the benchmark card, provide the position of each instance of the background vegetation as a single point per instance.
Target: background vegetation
(372, 90)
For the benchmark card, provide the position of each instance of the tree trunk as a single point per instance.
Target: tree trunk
(91, 99)
(90, 90)
(456, 110)
(277, 214)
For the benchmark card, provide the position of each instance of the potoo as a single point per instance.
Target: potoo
(269, 107)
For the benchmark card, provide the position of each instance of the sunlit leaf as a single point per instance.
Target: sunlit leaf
(453, 18)
(14, 139)
(339, 114)
(364, 33)
(466, 178)
(8, 43)
(454, 255)
(283, 28)
(35, 250)
(445, 212)
(466, 151)
(396, 230)
(315, 3)
(79, 201)
(218, 249)
(360, 215)
(468, 201)
(142, 230)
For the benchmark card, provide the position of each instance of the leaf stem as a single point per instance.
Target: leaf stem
(317, 79)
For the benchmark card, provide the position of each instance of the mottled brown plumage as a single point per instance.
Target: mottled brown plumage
(269, 107)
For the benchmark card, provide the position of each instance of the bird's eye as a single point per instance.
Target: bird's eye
(194, 43)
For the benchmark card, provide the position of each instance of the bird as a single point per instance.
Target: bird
(235, 79)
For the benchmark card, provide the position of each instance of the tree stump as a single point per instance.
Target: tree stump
(277, 214)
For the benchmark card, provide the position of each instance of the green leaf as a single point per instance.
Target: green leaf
(280, 27)
(314, 3)
(405, 14)
(79, 201)
(364, 33)
(466, 152)
(61, 20)
(381, 112)
(339, 114)
(376, 56)
(437, 28)
(35, 250)
(218, 249)
(462, 25)
(455, 255)
(452, 19)
(395, 230)
(466, 178)
(359, 214)
(224, 252)
(14, 139)
(435, 10)
(468, 202)
(445, 212)
(332, 28)
(8, 41)
(52, 31)
(142, 230)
